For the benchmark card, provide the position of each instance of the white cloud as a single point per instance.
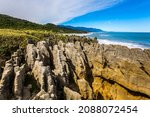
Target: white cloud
(54, 11)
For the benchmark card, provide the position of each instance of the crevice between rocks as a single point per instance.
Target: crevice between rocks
(134, 93)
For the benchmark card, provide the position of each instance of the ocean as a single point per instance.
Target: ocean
(129, 39)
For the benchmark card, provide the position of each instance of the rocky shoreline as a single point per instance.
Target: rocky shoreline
(76, 70)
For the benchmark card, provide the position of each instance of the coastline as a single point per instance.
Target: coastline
(107, 41)
(131, 41)
(127, 44)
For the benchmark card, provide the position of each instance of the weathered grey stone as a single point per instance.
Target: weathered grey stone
(7, 78)
(16, 57)
(85, 89)
(30, 55)
(19, 81)
(60, 63)
(127, 67)
(44, 77)
(27, 92)
(0, 72)
(44, 52)
(42, 95)
(71, 95)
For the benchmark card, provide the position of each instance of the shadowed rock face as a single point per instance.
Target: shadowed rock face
(76, 71)
(0, 72)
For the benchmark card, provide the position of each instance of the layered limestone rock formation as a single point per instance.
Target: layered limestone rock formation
(76, 71)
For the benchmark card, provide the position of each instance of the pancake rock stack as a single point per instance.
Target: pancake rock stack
(75, 71)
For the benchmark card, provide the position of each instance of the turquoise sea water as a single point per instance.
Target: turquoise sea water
(132, 40)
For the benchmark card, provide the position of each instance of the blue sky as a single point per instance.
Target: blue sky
(128, 15)
(52, 11)
(109, 15)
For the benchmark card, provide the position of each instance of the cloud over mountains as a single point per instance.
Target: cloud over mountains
(54, 11)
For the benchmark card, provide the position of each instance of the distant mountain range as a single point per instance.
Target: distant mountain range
(8, 22)
(83, 28)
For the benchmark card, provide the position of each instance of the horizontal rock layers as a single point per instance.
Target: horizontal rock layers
(76, 71)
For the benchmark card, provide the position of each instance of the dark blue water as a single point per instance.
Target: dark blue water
(132, 40)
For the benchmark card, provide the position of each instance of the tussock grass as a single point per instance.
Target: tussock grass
(11, 39)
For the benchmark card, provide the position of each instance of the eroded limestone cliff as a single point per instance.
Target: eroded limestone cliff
(76, 71)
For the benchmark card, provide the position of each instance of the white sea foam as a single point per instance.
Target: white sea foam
(78, 34)
(128, 44)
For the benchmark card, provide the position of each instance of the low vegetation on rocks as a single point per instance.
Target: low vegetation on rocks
(11, 39)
